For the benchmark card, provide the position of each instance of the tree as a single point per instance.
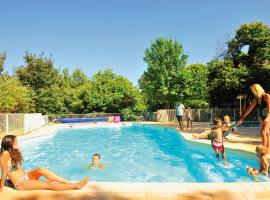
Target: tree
(255, 37)
(14, 97)
(111, 93)
(74, 88)
(43, 78)
(2, 61)
(196, 90)
(246, 61)
(163, 81)
(38, 72)
(225, 82)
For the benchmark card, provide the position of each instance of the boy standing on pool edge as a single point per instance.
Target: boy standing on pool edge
(179, 114)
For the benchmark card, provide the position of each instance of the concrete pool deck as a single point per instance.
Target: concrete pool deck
(246, 139)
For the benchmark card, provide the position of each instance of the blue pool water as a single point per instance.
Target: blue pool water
(133, 153)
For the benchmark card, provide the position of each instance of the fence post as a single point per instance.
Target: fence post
(6, 131)
(199, 114)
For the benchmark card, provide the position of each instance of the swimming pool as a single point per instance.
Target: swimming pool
(133, 153)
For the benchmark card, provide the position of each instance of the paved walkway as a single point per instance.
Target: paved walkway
(246, 139)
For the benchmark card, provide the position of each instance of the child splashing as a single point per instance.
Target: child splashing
(264, 159)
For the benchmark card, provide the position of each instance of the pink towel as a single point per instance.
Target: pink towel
(116, 119)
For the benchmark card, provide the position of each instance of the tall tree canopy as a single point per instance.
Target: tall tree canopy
(255, 37)
(43, 78)
(14, 97)
(112, 93)
(225, 82)
(196, 90)
(163, 81)
(246, 62)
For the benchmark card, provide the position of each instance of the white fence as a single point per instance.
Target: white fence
(19, 124)
(203, 115)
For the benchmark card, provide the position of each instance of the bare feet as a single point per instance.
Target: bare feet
(82, 183)
(194, 136)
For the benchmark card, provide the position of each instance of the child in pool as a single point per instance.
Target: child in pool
(264, 159)
(253, 172)
(95, 162)
(207, 134)
(217, 139)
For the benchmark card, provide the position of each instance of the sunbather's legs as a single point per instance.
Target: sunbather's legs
(50, 185)
(37, 173)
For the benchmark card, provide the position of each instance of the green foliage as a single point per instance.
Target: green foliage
(58, 93)
(2, 61)
(196, 90)
(38, 72)
(234, 75)
(112, 93)
(13, 96)
(75, 88)
(225, 82)
(163, 81)
(39, 75)
(257, 36)
(51, 100)
(129, 115)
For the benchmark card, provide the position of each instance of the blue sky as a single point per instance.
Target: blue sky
(94, 35)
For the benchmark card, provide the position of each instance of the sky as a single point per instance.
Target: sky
(97, 34)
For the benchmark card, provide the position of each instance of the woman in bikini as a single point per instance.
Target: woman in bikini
(262, 100)
(11, 166)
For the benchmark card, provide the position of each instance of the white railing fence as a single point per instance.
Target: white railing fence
(21, 123)
(199, 115)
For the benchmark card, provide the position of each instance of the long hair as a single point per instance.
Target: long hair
(15, 154)
(257, 89)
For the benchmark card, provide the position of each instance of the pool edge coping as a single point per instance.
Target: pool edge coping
(165, 189)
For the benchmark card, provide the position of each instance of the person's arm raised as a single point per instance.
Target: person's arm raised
(248, 110)
(4, 164)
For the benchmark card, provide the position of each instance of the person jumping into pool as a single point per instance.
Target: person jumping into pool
(217, 139)
(207, 134)
(262, 100)
(11, 165)
(96, 162)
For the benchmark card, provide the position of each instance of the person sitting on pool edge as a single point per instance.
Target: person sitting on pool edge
(217, 139)
(95, 162)
(207, 133)
(11, 165)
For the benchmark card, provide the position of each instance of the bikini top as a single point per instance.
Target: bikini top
(11, 168)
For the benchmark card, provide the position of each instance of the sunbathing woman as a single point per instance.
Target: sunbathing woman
(207, 134)
(11, 166)
(262, 100)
